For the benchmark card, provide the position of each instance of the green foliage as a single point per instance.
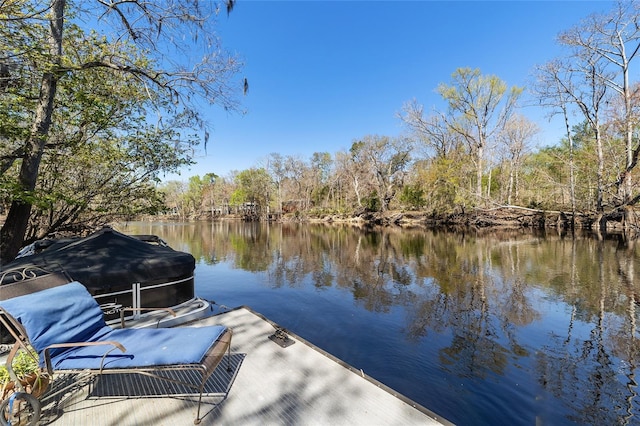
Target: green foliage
(24, 364)
(413, 197)
(239, 196)
(319, 194)
(104, 156)
(442, 181)
(372, 202)
(254, 186)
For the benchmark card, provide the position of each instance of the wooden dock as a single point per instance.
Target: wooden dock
(268, 385)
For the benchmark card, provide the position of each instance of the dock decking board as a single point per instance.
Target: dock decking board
(268, 385)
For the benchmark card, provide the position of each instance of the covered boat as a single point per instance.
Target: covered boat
(118, 270)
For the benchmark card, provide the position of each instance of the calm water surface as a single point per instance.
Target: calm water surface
(501, 329)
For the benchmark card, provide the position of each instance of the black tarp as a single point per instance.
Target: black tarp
(109, 261)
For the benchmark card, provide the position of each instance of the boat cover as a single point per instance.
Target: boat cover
(108, 261)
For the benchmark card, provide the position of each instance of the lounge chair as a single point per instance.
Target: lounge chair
(65, 326)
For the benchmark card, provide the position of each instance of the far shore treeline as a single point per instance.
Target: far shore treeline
(90, 122)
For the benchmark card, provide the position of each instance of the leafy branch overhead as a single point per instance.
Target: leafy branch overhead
(79, 80)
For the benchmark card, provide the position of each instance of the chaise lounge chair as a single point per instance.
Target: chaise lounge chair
(64, 324)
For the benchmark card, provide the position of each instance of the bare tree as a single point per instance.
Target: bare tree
(297, 172)
(580, 80)
(614, 38)
(276, 167)
(387, 159)
(551, 88)
(516, 138)
(351, 166)
(432, 132)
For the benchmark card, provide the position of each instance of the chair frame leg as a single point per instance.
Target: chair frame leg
(204, 380)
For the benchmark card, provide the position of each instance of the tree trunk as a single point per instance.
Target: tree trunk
(628, 118)
(356, 189)
(14, 229)
(480, 149)
(511, 183)
(600, 173)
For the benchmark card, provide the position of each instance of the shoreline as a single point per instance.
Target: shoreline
(510, 217)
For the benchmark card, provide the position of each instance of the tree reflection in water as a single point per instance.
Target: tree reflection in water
(499, 328)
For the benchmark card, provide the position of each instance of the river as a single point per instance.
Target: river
(506, 328)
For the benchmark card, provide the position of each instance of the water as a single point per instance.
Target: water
(501, 329)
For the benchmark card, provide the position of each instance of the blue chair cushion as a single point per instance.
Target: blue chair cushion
(67, 313)
(144, 348)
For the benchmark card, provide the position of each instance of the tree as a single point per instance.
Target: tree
(254, 186)
(15, 226)
(441, 174)
(353, 166)
(174, 197)
(515, 139)
(199, 188)
(581, 81)
(387, 159)
(550, 89)
(432, 132)
(320, 170)
(586, 85)
(479, 107)
(299, 184)
(276, 167)
(217, 195)
(39, 58)
(102, 157)
(613, 38)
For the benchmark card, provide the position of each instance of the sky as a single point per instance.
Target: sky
(323, 74)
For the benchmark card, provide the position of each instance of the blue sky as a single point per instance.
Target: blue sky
(325, 73)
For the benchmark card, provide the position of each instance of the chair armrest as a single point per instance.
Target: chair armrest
(122, 311)
(47, 356)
